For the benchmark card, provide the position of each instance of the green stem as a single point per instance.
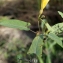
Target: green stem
(49, 27)
(40, 60)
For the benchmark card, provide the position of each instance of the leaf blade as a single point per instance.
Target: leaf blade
(60, 13)
(36, 47)
(13, 23)
(55, 38)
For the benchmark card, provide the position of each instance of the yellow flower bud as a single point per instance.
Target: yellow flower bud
(43, 5)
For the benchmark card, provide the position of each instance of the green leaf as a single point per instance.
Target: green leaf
(55, 38)
(49, 27)
(58, 28)
(60, 13)
(51, 44)
(36, 47)
(13, 23)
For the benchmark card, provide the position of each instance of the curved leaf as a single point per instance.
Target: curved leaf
(36, 47)
(58, 28)
(60, 13)
(13, 23)
(55, 38)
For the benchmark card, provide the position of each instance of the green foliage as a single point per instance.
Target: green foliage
(55, 38)
(45, 41)
(14, 23)
(36, 47)
(51, 37)
(60, 13)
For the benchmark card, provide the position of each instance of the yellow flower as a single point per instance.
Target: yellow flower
(43, 5)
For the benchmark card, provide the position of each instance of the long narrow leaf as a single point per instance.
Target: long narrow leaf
(55, 38)
(60, 13)
(13, 23)
(36, 47)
